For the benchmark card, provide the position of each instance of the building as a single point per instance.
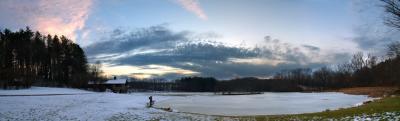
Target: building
(115, 85)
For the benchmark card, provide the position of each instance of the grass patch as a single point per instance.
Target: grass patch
(387, 104)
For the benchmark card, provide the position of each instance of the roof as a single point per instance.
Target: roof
(92, 82)
(116, 81)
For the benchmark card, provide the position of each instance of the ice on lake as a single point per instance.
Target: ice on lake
(269, 103)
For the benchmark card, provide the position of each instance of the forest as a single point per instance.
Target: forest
(28, 57)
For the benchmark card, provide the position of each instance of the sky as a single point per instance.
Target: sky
(219, 38)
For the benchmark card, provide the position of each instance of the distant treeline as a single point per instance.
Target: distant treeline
(186, 84)
(28, 57)
(361, 70)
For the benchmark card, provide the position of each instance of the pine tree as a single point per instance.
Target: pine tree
(27, 57)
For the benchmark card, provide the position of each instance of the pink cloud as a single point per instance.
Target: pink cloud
(61, 17)
(66, 18)
(194, 7)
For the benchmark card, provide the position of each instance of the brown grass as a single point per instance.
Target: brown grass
(370, 91)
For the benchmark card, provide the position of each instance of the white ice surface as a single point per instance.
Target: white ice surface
(268, 103)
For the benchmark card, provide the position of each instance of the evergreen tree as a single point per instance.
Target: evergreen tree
(27, 57)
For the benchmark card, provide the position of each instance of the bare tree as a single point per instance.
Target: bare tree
(95, 70)
(392, 7)
(371, 61)
(394, 50)
(357, 62)
(323, 75)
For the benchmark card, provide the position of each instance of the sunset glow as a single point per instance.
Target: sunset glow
(223, 39)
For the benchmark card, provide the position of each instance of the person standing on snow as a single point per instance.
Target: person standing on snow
(151, 101)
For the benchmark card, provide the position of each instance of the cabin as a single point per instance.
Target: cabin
(115, 85)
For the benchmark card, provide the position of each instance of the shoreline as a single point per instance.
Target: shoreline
(386, 100)
(374, 92)
(375, 109)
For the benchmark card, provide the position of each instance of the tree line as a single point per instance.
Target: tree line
(28, 57)
(185, 84)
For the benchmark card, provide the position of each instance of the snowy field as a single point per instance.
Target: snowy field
(43, 91)
(34, 104)
(42, 103)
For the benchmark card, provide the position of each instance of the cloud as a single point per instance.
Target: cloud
(194, 7)
(257, 61)
(313, 48)
(375, 37)
(160, 46)
(61, 17)
(146, 71)
(121, 41)
(188, 53)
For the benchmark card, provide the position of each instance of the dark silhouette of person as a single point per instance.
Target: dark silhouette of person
(151, 101)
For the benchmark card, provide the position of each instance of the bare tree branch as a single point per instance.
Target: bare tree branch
(392, 7)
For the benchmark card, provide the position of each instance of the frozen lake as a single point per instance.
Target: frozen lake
(269, 103)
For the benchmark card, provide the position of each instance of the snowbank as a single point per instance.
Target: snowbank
(83, 105)
(43, 91)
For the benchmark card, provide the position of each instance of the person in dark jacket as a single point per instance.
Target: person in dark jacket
(151, 102)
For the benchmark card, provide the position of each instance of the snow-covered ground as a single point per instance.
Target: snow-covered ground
(83, 105)
(43, 91)
(43, 103)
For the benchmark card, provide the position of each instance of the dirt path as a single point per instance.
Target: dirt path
(370, 91)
